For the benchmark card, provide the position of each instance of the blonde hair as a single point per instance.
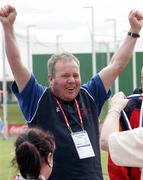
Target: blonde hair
(60, 57)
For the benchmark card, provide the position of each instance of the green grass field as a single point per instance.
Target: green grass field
(7, 145)
(14, 114)
(6, 155)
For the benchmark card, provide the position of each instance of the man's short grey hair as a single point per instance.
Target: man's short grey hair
(60, 57)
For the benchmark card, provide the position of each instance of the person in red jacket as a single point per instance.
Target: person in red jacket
(132, 111)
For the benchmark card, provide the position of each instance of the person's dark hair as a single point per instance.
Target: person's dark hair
(31, 148)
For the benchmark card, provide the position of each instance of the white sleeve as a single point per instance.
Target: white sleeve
(126, 148)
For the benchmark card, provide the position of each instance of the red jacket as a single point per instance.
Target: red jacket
(126, 173)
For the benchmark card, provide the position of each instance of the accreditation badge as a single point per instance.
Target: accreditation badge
(83, 144)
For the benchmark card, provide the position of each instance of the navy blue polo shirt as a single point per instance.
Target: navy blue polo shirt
(40, 108)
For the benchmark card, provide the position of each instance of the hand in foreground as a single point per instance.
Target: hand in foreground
(118, 101)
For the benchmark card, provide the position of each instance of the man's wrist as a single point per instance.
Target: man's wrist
(134, 35)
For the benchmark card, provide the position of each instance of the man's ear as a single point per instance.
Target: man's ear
(50, 78)
(50, 159)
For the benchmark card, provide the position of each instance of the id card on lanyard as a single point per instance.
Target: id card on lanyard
(81, 140)
(82, 144)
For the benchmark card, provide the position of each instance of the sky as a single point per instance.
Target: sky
(70, 20)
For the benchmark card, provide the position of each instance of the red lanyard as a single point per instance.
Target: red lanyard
(65, 117)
